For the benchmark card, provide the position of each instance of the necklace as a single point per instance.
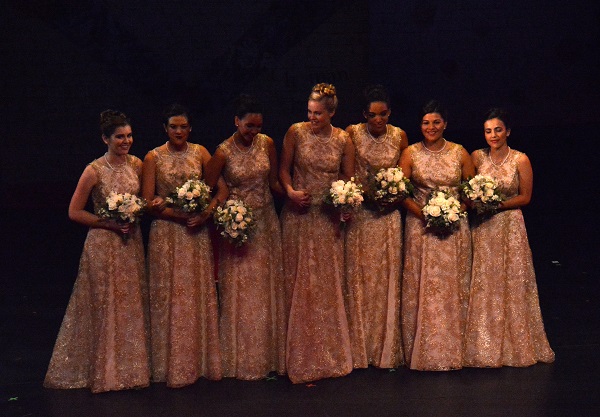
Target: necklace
(378, 141)
(178, 154)
(119, 168)
(438, 151)
(322, 141)
(247, 151)
(503, 161)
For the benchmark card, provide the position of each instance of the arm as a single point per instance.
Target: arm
(404, 143)
(274, 183)
(298, 197)
(525, 185)
(79, 214)
(466, 165)
(198, 219)
(214, 168)
(409, 203)
(156, 204)
(347, 168)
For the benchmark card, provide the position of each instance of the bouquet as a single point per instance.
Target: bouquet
(482, 190)
(193, 196)
(236, 220)
(123, 208)
(345, 195)
(443, 212)
(389, 185)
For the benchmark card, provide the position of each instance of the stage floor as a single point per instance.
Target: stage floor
(40, 265)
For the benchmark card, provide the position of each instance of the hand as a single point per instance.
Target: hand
(197, 220)
(345, 216)
(119, 228)
(158, 204)
(300, 197)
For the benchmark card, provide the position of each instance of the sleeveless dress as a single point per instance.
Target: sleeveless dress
(183, 299)
(318, 342)
(251, 290)
(103, 342)
(435, 287)
(504, 326)
(374, 261)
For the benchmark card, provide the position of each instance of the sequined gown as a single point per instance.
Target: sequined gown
(435, 280)
(103, 342)
(504, 326)
(374, 261)
(183, 300)
(251, 287)
(318, 342)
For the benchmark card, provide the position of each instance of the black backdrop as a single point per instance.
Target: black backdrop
(64, 62)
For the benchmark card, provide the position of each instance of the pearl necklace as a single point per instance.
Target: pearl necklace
(247, 151)
(503, 161)
(321, 140)
(438, 151)
(119, 167)
(378, 141)
(179, 154)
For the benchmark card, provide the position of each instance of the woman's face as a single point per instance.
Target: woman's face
(120, 141)
(318, 116)
(432, 127)
(495, 133)
(178, 129)
(377, 117)
(249, 126)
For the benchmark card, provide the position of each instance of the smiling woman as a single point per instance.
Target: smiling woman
(102, 341)
(318, 344)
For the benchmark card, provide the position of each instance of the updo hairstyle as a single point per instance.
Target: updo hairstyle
(246, 104)
(325, 93)
(110, 120)
(374, 93)
(498, 113)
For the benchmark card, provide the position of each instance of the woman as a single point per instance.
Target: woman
(318, 343)
(103, 343)
(373, 243)
(436, 266)
(183, 299)
(252, 324)
(504, 325)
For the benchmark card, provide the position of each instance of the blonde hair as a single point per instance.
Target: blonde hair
(326, 93)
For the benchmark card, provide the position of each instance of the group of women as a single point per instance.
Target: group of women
(303, 297)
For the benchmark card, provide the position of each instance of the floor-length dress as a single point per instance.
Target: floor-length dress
(251, 290)
(318, 342)
(504, 325)
(103, 342)
(373, 259)
(435, 280)
(183, 300)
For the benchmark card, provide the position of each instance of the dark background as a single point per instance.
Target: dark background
(62, 63)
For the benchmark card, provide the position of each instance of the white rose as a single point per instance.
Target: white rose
(239, 217)
(453, 217)
(189, 195)
(434, 211)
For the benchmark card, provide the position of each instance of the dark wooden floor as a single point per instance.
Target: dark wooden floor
(40, 265)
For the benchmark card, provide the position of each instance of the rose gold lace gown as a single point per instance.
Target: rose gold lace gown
(435, 287)
(102, 343)
(183, 300)
(374, 262)
(318, 342)
(251, 290)
(504, 326)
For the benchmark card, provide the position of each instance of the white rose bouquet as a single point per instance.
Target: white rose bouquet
(482, 190)
(191, 197)
(123, 208)
(389, 185)
(443, 212)
(236, 220)
(345, 195)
